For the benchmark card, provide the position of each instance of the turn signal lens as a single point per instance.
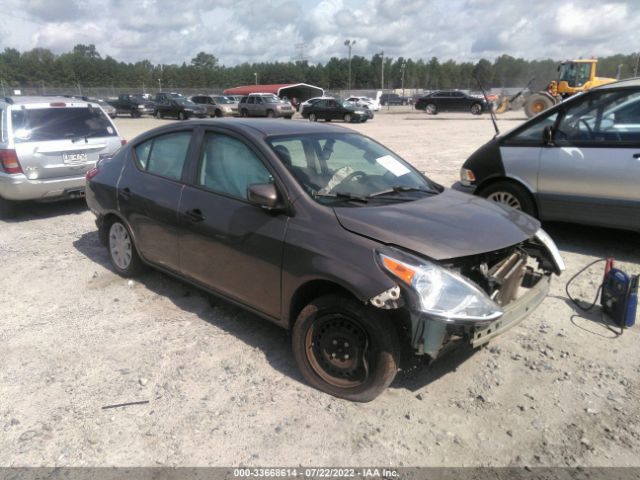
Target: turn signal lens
(400, 270)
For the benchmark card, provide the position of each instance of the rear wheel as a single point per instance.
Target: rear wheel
(122, 251)
(244, 112)
(313, 117)
(476, 109)
(431, 109)
(537, 103)
(158, 115)
(347, 117)
(270, 114)
(218, 114)
(7, 208)
(345, 349)
(511, 194)
(182, 116)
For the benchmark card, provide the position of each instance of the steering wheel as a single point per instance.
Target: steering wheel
(350, 178)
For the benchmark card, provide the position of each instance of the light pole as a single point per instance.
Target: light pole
(382, 70)
(255, 76)
(159, 85)
(402, 67)
(349, 44)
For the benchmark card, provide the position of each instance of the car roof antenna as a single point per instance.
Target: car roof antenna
(491, 112)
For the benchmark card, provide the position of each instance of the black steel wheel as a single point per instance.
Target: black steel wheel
(345, 349)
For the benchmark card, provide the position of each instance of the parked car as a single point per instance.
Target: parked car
(327, 233)
(46, 146)
(308, 102)
(370, 103)
(264, 105)
(328, 109)
(451, 101)
(393, 99)
(577, 162)
(178, 107)
(217, 105)
(133, 104)
(106, 106)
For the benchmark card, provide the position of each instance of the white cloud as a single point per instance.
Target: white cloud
(236, 31)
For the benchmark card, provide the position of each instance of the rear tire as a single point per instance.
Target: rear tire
(537, 103)
(218, 114)
(347, 117)
(511, 194)
(313, 117)
(181, 116)
(476, 109)
(122, 251)
(159, 115)
(7, 209)
(270, 114)
(244, 113)
(431, 109)
(345, 348)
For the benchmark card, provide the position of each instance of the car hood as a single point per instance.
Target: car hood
(448, 225)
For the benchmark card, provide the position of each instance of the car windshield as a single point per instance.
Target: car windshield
(184, 102)
(138, 98)
(222, 99)
(334, 167)
(37, 124)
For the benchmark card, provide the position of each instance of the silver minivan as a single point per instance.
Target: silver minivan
(47, 144)
(576, 162)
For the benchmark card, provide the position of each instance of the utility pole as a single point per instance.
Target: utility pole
(402, 68)
(349, 44)
(382, 70)
(255, 75)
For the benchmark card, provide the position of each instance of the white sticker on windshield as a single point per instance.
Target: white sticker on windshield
(393, 165)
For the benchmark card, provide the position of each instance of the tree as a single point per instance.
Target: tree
(205, 61)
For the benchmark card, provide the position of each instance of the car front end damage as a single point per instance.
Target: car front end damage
(473, 298)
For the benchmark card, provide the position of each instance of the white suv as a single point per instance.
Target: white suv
(47, 144)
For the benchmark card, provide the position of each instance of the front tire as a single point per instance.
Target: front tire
(537, 103)
(270, 114)
(431, 109)
(347, 117)
(313, 117)
(345, 348)
(476, 109)
(512, 194)
(181, 116)
(244, 113)
(122, 252)
(7, 209)
(159, 115)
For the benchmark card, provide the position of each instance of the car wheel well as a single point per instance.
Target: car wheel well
(494, 180)
(318, 288)
(310, 291)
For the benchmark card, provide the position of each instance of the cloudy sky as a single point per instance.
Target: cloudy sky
(236, 31)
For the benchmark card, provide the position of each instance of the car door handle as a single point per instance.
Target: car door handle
(636, 155)
(195, 215)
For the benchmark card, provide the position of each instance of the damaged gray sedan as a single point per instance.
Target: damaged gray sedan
(327, 233)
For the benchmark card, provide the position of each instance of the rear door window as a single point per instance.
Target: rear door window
(39, 124)
(164, 155)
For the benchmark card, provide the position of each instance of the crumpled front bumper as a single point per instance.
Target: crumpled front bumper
(430, 334)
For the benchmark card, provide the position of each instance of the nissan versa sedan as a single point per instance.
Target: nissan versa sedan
(327, 233)
(576, 162)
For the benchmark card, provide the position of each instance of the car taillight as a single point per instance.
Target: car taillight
(91, 173)
(123, 142)
(9, 161)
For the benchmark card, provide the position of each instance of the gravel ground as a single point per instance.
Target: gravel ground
(221, 384)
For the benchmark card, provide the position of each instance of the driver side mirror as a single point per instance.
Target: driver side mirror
(263, 195)
(547, 135)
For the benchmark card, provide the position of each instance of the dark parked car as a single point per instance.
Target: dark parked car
(393, 99)
(578, 161)
(452, 101)
(331, 109)
(179, 107)
(325, 232)
(134, 105)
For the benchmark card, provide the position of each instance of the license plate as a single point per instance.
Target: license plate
(74, 158)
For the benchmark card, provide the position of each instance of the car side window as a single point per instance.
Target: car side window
(229, 166)
(532, 135)
(251, 100)
(164, 155)
(602, 118)
(258, 100)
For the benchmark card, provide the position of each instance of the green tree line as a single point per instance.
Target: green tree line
(84, 66)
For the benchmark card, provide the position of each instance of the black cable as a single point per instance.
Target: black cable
(574, 300)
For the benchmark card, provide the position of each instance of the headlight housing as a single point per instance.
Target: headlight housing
(467, 177)
(442, 294)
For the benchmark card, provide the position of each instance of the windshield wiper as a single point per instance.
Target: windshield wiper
(401, 189)
(77, 138)
(343, 196)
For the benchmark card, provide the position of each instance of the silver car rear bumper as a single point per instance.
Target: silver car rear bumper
(19, 187)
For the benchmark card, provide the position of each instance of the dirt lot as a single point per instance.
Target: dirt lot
(222, 386)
